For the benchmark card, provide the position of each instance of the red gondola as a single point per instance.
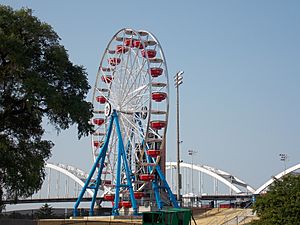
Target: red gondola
(106, 182)
(159, 96)
(121, 49)
(119, 205)
(109, 197)
(158, 124)
(107, 79)
(147, 177)
(98, 144)
(138, 195)
(98, 121)
(156, 71)
(114, 61)
(153, 153)
(126, 204)
(138, 44)
(129, 42)
(105, 69)
(150, 53)
(101, 99)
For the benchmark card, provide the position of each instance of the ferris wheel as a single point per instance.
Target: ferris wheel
(132, 92)
(133, 80)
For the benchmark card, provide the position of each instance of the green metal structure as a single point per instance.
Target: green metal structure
(171, 216)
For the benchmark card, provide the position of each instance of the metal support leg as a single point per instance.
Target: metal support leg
(96, 163)
(125, 164)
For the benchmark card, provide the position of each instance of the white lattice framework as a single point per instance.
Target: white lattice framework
(277, 177)
(224, 177)
(75, 174)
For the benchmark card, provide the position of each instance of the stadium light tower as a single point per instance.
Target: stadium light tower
(178, 78)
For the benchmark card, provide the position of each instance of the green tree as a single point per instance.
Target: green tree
(281, 204)
(37, 81)
(45, 212)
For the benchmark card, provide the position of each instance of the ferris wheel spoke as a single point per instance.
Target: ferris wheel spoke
(142, 79)
(137, 106)
(137, 93)
(112, 154)
(139, 72)
(113, 98)
(145, 71)
(129, 147)
(130, 135)
(127, 72)
(145, 84)
(140, 88)
(134, 126)
(152, 131)
(125, 128)
(136, 129)
(125, 76)
(130, 74)
(135, 62)
(133, 83)
(129, 56)
(141, 100)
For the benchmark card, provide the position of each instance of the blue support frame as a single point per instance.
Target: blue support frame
(122, 157)
(167, 187)
(122, 162)
(101, 157)
(155, 186)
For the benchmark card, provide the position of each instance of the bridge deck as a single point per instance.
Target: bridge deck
(88, 199)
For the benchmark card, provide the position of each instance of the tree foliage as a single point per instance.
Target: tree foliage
(37, 80)
(281, 204)
(45, 212)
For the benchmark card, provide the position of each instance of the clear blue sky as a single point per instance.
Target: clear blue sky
(240, 98)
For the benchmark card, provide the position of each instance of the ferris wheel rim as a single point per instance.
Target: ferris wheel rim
(137, 34)
(166, 73)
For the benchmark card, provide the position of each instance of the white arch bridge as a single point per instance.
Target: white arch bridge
(64, 182)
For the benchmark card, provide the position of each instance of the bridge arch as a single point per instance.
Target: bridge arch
(64, 170)
(229, 180)
(278, 176)
(226, 178)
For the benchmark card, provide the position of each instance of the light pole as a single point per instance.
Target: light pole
(283, 157)
(178, 78)
(191, 152)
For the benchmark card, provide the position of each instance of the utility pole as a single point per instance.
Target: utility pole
(178, 78)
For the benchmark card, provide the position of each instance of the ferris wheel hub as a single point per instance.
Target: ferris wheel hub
(107, 109)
